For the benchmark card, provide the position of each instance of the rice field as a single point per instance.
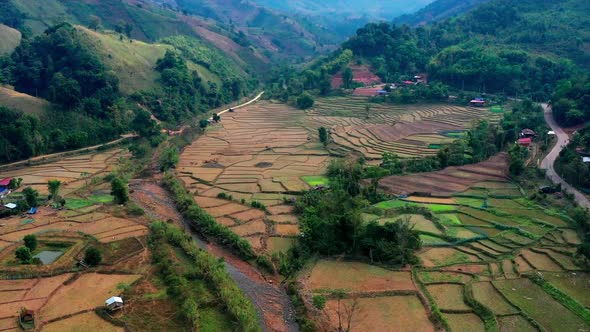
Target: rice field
(74, 172)
(407, 130)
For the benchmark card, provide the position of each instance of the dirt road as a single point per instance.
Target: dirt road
(549, 161)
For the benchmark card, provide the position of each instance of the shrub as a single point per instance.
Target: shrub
(31, 242)
(23, 254)
(92, 256)
(305, 101)
(119, 191)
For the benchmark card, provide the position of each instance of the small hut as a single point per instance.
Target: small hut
(114, 303)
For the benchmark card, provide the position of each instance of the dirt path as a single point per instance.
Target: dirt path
(549, 161)
(272, 303)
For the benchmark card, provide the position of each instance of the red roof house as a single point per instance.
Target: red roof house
(5, 182)
(525, 141)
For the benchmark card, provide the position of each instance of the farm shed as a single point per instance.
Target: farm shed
(586, 160)
(114, 303)
(10, 206)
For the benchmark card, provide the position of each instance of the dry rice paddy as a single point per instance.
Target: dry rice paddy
(74, 172)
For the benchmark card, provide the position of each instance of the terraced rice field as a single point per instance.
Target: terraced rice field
(258, 153)
(73, 172)
(448, 181)
(405, 130)
(102, 226)
(46, 295)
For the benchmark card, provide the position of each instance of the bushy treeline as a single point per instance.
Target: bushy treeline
(204, 267)
(331, 222)
(570, 165)
(571, 101)
(204, 222)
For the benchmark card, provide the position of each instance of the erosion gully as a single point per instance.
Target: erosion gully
(274, 308)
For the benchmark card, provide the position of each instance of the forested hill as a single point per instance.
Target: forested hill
(518, 48)
(437, 11)
(248, 33)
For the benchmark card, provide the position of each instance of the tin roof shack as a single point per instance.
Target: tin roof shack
(478, 102)
(525, 133)
(114, 303)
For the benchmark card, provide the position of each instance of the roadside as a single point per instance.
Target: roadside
(549, 161)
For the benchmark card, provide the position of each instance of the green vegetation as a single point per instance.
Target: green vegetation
(332, 222)
(30, 242)
(305, 101)
(119, 191)
(23, 254)
(316, 180)
(204, 222)
(92, 256)
(203, 266)
(77, 203)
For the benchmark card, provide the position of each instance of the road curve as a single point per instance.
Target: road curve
(241, 105)
(549, 161)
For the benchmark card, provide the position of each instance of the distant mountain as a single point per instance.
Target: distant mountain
(343, 17)
(437, 11)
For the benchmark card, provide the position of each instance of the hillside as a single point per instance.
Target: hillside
(248, 32)
(23, 102)
(9, 39)
(437, 11)
(134, 62)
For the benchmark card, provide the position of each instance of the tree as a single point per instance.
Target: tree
(323, 132)
(128, 29)
(367, 111)
(30, 242)
(516, 154)
(15, 183)
(119, 27)
(347, 78)
(119, 191)
(31, 196)
(92, 256)
(53, 186)
(203, 124)
(305, 101)
(216, 117)
(144, 125)
(345, 311)
(169, 159)
(95, 22)
(23, 254)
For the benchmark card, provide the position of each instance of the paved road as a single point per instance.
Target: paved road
(242, 105)
(549, 161)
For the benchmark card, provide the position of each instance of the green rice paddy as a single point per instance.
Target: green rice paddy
(316, 180)
(497, 109)
(77, 203)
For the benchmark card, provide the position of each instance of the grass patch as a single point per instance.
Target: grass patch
(101, 198)
(77, 203)
(316, 180)
(429, 240)
(449, 219)
(497, 109)
(396, 203)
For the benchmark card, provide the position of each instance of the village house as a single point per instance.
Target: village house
(4, 185)
(478, 102)
(526, 142)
